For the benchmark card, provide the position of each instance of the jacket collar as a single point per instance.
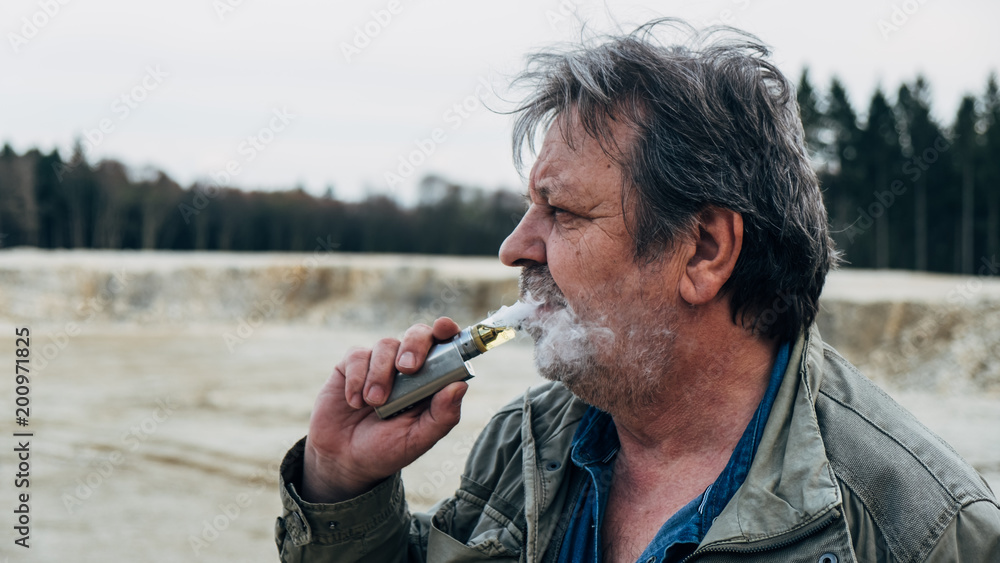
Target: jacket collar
(791, 484)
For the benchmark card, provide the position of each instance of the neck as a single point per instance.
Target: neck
(708, 397)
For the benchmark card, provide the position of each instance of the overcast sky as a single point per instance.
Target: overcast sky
(337, 93)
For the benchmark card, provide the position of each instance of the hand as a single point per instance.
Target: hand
(350, 449)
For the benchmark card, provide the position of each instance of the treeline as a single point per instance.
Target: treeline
(49, 203)
(903, 190)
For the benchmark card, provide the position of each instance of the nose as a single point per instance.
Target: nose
(525, 245)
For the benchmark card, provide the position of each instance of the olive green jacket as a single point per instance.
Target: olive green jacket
(842, 474)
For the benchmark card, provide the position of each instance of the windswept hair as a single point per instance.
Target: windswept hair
(714, 123)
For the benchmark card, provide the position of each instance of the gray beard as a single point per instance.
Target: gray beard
(620, 374)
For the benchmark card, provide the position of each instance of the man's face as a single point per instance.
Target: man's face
(604, 327)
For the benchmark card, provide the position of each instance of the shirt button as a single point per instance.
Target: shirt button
(552, 465)
(828, 558)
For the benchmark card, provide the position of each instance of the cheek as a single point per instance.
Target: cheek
(568, 265)
(584, 272)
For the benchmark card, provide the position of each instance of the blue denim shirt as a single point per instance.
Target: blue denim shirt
(595, 446)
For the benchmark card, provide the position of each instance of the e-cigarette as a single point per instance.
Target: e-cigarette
(447, 361)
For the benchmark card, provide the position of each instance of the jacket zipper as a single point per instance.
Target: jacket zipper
(794, 537)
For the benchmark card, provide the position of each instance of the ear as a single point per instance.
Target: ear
(717, 245)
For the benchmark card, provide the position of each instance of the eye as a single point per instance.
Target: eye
(565, 219)
(561, 215)
(559, 211)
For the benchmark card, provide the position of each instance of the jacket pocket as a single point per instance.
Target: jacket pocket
(468, 529)
(445, 549)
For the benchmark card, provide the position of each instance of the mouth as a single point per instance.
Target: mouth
(546, 317)
(548, 308)
(542, 309)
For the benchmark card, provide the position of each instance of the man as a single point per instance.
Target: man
(676, 243)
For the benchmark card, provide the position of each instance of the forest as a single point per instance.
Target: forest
(903, 191)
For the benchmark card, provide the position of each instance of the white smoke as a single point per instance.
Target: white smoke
(619, 371)
(566, 346)
(513, 316)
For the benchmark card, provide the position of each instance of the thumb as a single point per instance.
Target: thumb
(444, 413)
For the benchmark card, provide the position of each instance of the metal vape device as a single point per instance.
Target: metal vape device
(446, 362)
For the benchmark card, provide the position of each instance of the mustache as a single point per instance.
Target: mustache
(537, 286)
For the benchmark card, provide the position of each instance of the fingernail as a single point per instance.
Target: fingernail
(407, 360)
(459, 396)
(376, 394)
(356, 401)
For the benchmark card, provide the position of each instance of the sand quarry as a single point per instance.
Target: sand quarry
(166, 386)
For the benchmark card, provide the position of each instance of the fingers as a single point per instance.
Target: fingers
(369, 374)
(355, 370)
(413, 349)
(418, 339)
(445, 328)
(381, 371)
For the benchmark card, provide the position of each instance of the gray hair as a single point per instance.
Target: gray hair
(715, 124)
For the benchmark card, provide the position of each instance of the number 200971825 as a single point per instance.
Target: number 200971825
(22, 353)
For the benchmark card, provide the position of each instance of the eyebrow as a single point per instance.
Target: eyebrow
(552, 187)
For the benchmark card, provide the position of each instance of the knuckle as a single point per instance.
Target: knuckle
(357, 354)
(380, 374)
(417, 333)
(419, 328)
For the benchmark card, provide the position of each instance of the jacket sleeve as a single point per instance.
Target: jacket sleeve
(373, 527)
(972, 536)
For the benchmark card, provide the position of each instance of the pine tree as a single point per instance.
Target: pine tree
(991, 165)
(920, 137)
(842, 177)
(843, 122)
(812, 118)
(880, 159)
(965, 153)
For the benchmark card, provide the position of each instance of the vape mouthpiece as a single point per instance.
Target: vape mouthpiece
(488, 337)
(447, 362)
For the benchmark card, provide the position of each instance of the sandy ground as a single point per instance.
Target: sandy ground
(144, 438)
(162, 445)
